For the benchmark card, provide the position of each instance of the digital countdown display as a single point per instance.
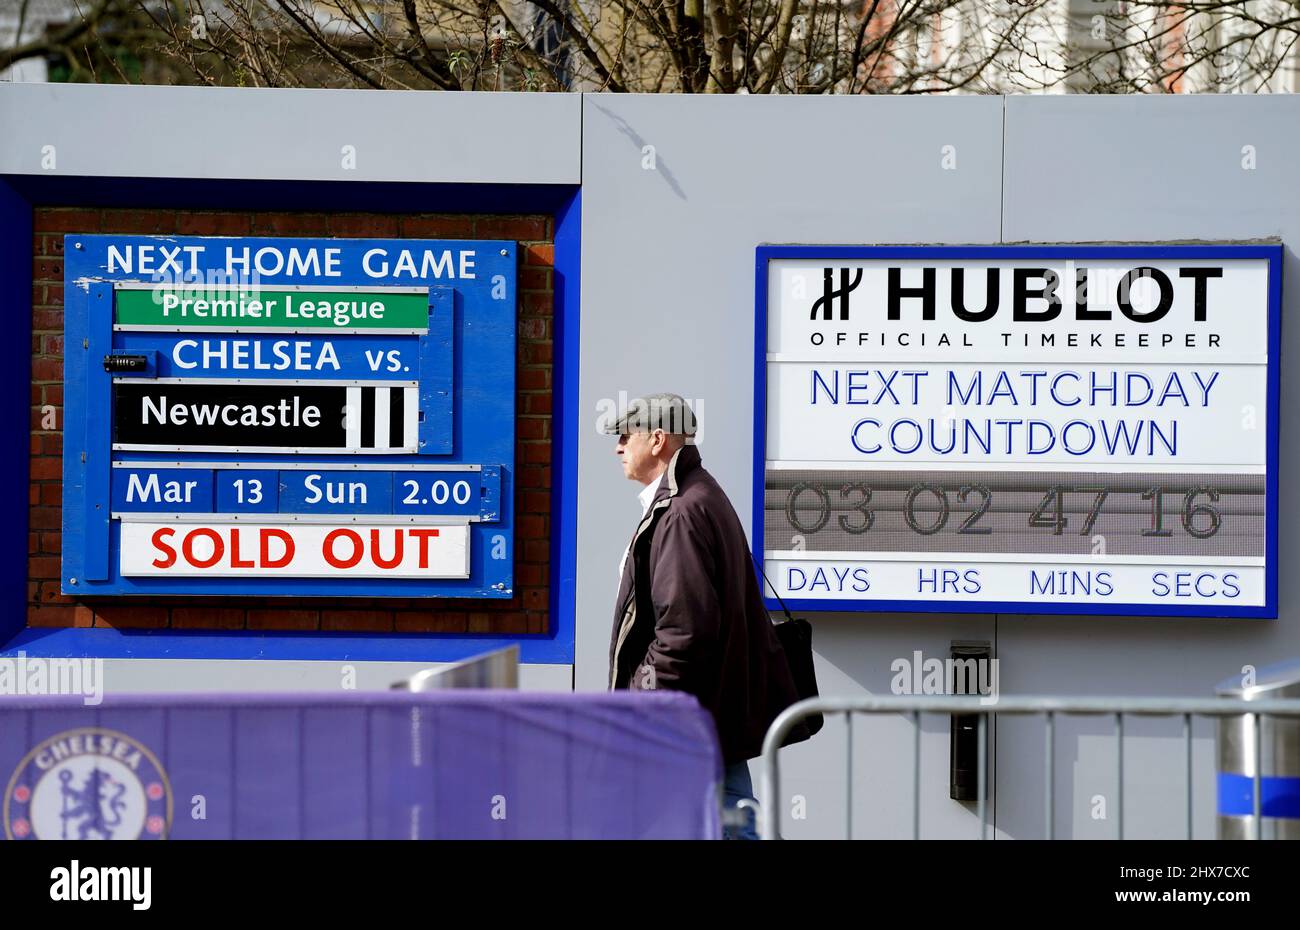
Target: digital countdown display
(1019, 429)
(289, 417)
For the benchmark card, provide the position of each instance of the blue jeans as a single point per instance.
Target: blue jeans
(736, 785)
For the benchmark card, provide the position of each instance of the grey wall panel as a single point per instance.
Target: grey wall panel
(677, 192)
(1150, 169)
(668, 304)
(201, 132)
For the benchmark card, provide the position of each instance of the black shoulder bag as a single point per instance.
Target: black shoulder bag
(795, 635)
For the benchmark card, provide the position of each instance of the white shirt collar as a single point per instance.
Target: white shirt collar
(647, 495)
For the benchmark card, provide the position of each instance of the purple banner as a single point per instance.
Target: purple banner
(441, 765)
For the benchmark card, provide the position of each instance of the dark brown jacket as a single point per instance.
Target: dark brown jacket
(690, 615)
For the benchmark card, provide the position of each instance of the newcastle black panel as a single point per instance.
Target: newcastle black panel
(244, 415)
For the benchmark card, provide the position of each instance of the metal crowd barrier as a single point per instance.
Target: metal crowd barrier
(496, 669)
(1118, 708)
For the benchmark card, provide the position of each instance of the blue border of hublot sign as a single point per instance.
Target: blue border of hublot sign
(1271, 253)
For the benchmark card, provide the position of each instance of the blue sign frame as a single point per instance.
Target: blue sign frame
(18, 196)
(466, 389)
(1273, 254)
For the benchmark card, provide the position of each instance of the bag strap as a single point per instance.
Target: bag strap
(785, 610)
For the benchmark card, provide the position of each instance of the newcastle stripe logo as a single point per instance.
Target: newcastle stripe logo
(383, 418)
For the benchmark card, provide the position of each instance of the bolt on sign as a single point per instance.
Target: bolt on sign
(1019, 429)
(289, 417)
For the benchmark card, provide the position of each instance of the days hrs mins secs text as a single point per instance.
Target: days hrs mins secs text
(927, 508)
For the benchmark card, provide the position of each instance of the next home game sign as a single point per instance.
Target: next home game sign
(289, 416)
(1032, 429)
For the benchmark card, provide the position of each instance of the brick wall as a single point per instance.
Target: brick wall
(526, 612)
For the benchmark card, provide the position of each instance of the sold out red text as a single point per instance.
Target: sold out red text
(204, 547)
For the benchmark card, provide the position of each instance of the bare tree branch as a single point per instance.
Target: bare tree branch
(60, 38)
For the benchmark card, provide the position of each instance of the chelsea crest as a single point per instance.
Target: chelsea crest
(88, 784)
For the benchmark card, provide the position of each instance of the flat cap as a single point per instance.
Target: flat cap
(668, 412)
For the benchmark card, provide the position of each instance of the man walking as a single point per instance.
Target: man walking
(689, 614)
